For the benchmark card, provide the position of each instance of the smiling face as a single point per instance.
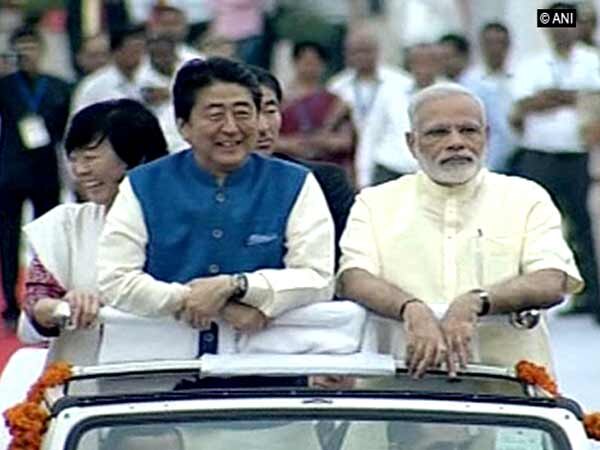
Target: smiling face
(98, 172)
(222, 127)
(269, 122)
(448, 139)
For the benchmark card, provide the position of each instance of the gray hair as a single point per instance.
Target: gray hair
(439, 91)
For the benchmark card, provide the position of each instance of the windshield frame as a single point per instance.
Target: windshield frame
(426, 411)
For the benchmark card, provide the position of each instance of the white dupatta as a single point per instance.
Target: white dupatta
(65, 240)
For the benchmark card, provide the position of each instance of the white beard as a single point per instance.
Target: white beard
(450, 174)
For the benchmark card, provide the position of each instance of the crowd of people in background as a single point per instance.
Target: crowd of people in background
(342, 105)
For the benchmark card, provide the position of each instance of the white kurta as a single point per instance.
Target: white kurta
(437, 243)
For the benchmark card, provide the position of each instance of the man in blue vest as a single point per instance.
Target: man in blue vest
(216, 230)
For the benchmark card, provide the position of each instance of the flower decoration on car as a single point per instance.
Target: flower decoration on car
(535, 375)
(27, 421)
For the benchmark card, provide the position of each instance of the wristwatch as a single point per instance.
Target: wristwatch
(525, 320)
(484, 297)
(240, 284)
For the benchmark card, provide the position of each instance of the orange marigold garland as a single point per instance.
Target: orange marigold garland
(27, 421)
(535, 375)
(592, 425)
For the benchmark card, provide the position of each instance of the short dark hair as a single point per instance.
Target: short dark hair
(458, 41)
(496, 26)
(132, 130)
(118, 36)
(197, 74)
(266, 78)
(25, 32)
(301, 46)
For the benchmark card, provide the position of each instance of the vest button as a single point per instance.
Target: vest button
(220, 197)
(217, 233)
(214, 268)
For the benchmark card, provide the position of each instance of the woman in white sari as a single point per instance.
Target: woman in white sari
(103, 141)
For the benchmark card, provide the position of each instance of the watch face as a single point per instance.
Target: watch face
(525, 319)
(241, 286)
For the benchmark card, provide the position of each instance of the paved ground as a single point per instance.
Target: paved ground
(576, 340)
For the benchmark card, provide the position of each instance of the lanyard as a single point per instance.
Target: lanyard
(33, 99)
(364, 105)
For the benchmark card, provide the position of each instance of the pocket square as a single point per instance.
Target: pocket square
(257, 239)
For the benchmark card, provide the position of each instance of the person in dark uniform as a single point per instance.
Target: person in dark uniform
(34, 108)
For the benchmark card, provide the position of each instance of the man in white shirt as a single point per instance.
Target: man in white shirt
(118, 79)
(496, 74)
(217, 231)
(550, 148)
(456, 61)
(197, 13)
(422, 62)
(154, 79)
(458, 237)
(366, 85)
(169, 20)
(455, 56)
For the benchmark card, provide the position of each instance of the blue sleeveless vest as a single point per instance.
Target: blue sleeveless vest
(197, 228)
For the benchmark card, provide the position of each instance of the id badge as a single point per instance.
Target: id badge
(33, 131)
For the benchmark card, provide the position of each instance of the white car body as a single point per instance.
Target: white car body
(286, 416)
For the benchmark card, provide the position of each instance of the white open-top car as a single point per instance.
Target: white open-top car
(285, 402)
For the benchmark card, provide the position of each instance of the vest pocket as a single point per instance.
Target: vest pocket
(264, 233)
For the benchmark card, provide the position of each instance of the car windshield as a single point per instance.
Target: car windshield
(341, 432)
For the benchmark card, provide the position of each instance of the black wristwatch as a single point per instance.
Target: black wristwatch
(484, 297)
(240, 282)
